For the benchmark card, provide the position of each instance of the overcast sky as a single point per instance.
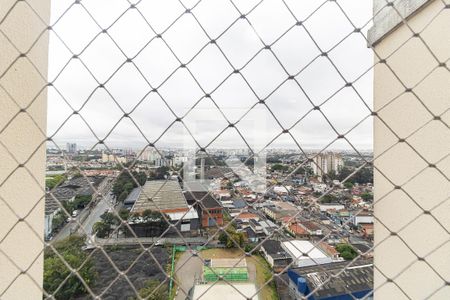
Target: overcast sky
(132, 82)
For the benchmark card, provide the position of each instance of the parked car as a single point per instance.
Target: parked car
(75, 213)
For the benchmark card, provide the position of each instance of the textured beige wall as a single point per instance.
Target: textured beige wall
(21, 140)
(418, 234)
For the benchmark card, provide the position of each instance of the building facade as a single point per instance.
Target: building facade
(71, 148)
(324, 163)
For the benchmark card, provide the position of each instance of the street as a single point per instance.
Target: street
(103, 205)
(88, 216)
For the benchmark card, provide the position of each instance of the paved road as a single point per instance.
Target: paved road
(64, 232)
(103, 205)
(71, 227)
(187, 268)
(88, 216)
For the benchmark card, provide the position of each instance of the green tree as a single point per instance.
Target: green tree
(248, 248)
(141, 178)
(126, 183)
(58, 220)
(69, 206)
(101, 229)
(367, 196)
(346, 251)
(279, 167)
(235, 239)
(348, 185)
(56, 271)
(363, 176)
(81, 201)
(123, 196)
(160, 173)
(109, 218)
(232, 238)
(128, 187)
(328, 198)
(124, 214)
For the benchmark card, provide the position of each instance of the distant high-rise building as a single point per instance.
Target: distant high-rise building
(325, 163)
(71, 147)
(105, 157)
(113, 158)
(163, 162)
(202, 169)
(149, 155)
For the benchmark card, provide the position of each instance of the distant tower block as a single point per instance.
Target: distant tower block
(202, 169)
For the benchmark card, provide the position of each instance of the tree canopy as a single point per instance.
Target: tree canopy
(279, 167)
(160, 173)
(56, 270)
(363, 176)
(232, 238)
(125, 184)
(346, 251)
(328, 198)
(367, 196)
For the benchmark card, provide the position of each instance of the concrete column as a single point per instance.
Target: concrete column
(412, 140)
(23, 57)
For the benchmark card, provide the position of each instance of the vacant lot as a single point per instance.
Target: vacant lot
(112, 287)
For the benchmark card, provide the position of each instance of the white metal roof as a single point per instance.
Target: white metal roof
(191, 214)
(297, 247)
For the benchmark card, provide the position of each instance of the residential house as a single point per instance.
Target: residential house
(51, 209)
(246, 217)
(311, 228)
(252, 237)
(275, 255)
(297, 231)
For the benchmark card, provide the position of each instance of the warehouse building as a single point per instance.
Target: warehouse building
(305, 253)
(334, 281)
(166, 196)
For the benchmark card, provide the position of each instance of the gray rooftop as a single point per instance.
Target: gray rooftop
(357, 277)
(160, 195)
(51, 205)
(133, 196)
